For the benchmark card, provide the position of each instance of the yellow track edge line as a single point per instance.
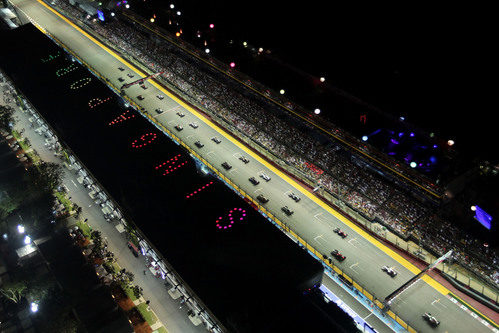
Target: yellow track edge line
(401, 260)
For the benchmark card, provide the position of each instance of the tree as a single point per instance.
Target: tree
(46, 175)
(6, 117)
(137, 291)
(14, 291)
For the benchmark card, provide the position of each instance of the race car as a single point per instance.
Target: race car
(121, 79)
(389, 270)
(340, 232)
(199, 144)
(159, 111)
(121, 69)
(336, 254)
(160, 97)
(130, 75)
(265, 177)
(294, 197)
(216, 140)
(140, 97)
(244, 159)
(226, 166)
(143, 86)
(253, 181)
(179, 128)
(430, 319)
(262, 198)
(180, 114)
(287, 211)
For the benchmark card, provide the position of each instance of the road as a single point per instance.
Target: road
(169, 311)
(312, 219)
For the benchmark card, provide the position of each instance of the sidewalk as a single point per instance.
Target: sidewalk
(169, 312)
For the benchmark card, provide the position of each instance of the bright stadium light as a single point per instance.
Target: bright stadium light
(207, 50)
(112, 14)
(364, 138)
(473, 208)
(152, 20)
(413, 164)
(127, 6)
(317, 111)
(34, 307)
(232, 64)
(450, 142)
(27, 240)
(282, 91)
(172, 6)
(179, 13)
(20, 229)
(212, 26)
(322, 79)
(245, 44)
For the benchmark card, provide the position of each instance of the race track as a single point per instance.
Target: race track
(312, 219)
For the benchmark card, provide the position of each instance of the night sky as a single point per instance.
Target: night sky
(427, 63)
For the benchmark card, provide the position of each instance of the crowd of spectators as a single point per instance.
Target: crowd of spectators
(335, 168)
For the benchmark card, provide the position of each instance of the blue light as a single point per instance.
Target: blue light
(100, 15)
(395, 142)
(483, 217)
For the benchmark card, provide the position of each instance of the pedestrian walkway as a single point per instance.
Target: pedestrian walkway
(172, 317)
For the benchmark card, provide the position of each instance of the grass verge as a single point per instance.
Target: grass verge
(148, 315)
(85, 228)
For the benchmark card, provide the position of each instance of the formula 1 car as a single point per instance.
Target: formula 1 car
(430, 319)
(389, 270)
(341, 233)
(338, 255)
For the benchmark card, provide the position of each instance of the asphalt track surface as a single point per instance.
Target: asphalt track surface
(312, 219)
